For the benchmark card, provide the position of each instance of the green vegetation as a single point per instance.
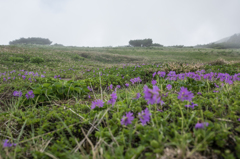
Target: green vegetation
(37, 41)
(53, 109)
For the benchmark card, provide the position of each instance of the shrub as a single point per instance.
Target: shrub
(36, 60)
(78, 58)
(16, 59)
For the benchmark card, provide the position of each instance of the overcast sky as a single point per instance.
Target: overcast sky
(115, 22)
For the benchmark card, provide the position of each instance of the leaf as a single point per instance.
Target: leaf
(46, 85)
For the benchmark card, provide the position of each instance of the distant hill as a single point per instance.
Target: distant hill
(231, 39)
(230, 42)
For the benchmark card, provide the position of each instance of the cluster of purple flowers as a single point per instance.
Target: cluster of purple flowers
(6, 143)
(135, 80)
(99, 103)
(154, 82)
(17, 93)
(113, 99)
(144, 117)
(169, 86)
(152, 95)
(184, 94)
(29, 94)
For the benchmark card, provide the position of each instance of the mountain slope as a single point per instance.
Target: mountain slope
(231, 39)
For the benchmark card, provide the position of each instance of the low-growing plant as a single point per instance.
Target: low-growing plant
(36, 60)
(16, 59)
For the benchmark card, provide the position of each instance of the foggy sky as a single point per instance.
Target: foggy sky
(115, 22)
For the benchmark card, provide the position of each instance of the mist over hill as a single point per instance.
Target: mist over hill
(231, 42)
(231, 39)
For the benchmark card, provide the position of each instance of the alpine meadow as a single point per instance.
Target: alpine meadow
(119, 102)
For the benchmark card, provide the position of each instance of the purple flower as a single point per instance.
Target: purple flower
(29, 94)
(55, 76)
(17, 93)
(215, 91)
(113, 99)
(110, 87)
(154, 82)
(238, 119)
(159, 110)
(137, 96)
(89, 96)
(184, 94)
(42, 76)
(89, 88)
(127, 119)
(201, 125)
(169, 86)
(6, 143)
(199, 93)
(154, 74)
(161, 74)
(127, 85)
(144, 116)
(118, 86)
(192, 105)
(151, 95)
(23, 77)
(98, 103)
(45, 72)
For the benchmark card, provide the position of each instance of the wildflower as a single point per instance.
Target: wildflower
(215, 91)
(201, 125)
(216, 85)
(55, 76)
(42, 76)
(127, 85)
(169, 86)
(238, 119)
(17, 93)
(192, 105)
(110, 87)
(137, 96)
(154, 74)
(144, 116)
(161, 74)
(89, 88)
(98, 103)
(159, 110)
(151, 95)
(118, 86)
(23, 77)
(199, 93)
(127, 119)
(184, 94)
(113, 99)
(29, 94)
(154, 82)
(89, 96)
(6, 143)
